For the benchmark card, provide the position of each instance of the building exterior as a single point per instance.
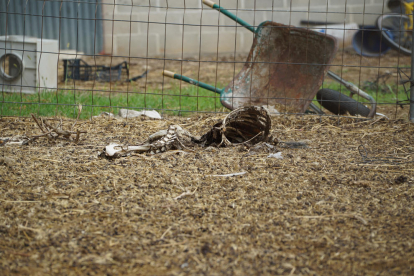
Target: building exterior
(76, 24)
(170, 28)
(141, 28)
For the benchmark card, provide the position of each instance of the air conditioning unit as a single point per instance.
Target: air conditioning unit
(27, 64)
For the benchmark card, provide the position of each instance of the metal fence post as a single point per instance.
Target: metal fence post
(412, 81)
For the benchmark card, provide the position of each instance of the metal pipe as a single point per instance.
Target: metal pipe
(412, 80)
(192, 81)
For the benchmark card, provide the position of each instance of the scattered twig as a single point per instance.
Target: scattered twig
(52, 132)
(172, 152)
(380, 83)
(379, 119)
(41, 135)
(50, 160)
(185, 194)
(361, 219)
(79, 113)
(228, 175)
(38, 124)
(29, 228)
(77, 136)
(251, 139)
(165, 233)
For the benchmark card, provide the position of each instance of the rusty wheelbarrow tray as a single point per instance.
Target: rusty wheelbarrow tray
(284, 70)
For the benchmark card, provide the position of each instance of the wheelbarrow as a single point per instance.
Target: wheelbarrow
(284, 70)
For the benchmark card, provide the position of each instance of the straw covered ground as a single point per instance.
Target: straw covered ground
(322, 210)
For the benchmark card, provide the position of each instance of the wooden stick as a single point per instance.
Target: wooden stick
(37, 122)
(185, 194)
(77, 136)
(48, 129)
(79, 113)
(41, 135)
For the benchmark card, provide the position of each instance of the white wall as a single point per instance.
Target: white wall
(138, 28)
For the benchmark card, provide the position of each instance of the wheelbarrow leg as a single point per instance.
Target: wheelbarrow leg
(191, 81)
(352, 88)
(316, 109)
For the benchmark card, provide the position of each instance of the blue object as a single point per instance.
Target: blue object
(368, 42)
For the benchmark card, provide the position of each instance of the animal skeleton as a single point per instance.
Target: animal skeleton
(243, 126)
(174, 138)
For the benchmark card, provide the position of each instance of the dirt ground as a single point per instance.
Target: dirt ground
(220, 70)
(322, 210)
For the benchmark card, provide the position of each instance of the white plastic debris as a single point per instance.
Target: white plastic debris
(107, 114)
(277, 155)
(343, 33)
(128, 113)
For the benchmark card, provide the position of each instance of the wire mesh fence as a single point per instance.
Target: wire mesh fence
(324, 57)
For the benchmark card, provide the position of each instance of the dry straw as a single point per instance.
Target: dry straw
(320, 210)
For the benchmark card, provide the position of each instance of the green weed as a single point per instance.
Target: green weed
(174, 101)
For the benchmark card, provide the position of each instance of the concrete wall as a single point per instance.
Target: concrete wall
(140, 28)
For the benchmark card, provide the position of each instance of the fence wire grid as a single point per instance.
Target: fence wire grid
(324, 57)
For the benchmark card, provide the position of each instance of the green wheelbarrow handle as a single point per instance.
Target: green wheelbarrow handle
(192, 81)
(213, 5)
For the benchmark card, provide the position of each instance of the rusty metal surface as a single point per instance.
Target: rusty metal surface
(284, 70)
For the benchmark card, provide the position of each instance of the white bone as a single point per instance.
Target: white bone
(112, 149)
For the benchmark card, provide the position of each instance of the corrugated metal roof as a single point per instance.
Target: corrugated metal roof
(77, 24)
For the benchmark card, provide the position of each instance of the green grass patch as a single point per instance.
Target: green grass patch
(173, 101)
